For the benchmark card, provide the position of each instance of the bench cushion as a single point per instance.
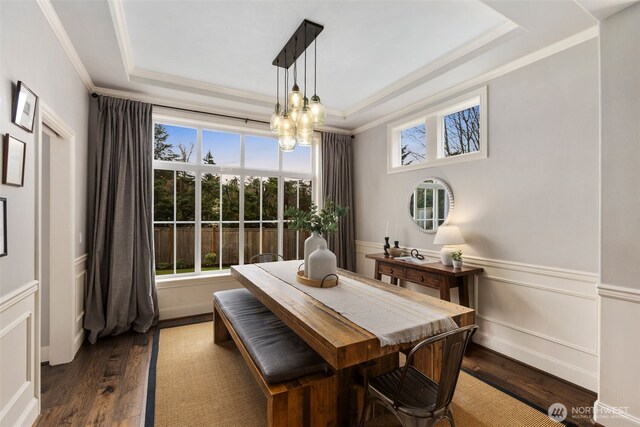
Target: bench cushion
(280, 354)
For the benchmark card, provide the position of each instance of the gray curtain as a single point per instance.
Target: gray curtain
(337, 184)
(121, 293)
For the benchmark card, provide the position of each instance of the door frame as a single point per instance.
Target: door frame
(63, 342)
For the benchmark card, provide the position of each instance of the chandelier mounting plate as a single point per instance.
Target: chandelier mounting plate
(296, 45)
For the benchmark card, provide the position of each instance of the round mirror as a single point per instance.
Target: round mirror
(430, 204)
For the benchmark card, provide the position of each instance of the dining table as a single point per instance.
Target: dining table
(348, 326)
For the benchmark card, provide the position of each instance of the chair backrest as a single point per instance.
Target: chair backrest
(266, 257)
(454, 345)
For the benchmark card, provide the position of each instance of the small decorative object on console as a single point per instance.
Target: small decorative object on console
(456, 258)
(386, 246)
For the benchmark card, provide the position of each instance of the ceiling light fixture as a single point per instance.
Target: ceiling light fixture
(295, 124)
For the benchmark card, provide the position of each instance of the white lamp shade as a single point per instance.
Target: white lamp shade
(448, 235)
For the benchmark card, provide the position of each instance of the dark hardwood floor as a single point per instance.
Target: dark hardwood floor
(530, 384)
(105, 384)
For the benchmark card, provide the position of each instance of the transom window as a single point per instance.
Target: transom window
(446, 133)
(220, 194)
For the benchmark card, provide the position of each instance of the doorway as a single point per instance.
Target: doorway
(59, 293)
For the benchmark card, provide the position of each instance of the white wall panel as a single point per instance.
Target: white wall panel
(18, 365)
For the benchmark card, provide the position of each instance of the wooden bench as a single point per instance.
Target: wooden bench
(306, 400)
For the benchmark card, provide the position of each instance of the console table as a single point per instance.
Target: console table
(433, 275)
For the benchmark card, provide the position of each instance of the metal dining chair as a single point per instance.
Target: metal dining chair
(266, 257)
(415, 399)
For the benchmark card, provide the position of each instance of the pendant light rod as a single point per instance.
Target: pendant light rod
(315, 65)
(307, 31)
(305, 60)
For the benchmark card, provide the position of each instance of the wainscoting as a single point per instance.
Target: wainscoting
(190, 296)
(19, 369)
(618, 403)
(80, 275)
(545, 317)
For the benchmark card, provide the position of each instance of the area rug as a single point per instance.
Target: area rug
(193, 382)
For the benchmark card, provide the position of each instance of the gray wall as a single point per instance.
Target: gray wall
(30, 52)
(620, 56)
(535, 199)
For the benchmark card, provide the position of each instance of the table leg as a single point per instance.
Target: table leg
(377, 275)
(394, 281)
(463, 291)
(445, 293)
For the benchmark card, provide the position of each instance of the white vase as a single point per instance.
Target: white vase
(322, 262)
(312, 243)
(457, 263)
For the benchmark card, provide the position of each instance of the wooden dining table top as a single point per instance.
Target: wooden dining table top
(339, 341)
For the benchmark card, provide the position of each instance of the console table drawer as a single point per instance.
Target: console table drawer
(392, 270)
(424, 278)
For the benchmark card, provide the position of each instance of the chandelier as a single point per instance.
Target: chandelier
(294, 124)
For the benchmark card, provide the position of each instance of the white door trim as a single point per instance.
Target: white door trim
(62, 235)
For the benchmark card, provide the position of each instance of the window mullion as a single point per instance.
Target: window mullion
(280, 198)
(241, 217)
(175, 226)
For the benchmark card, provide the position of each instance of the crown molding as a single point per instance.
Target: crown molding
(116, 8)
(178, 103)
(203, 88)
(545, 52)
(58, 29)
(445, 60)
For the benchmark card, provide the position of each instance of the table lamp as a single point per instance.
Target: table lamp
(447, 235)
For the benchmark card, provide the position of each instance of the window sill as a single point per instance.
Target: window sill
(176, 281)
(479, 155)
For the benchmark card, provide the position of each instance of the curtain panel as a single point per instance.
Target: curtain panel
(121, 293)
(337, 184)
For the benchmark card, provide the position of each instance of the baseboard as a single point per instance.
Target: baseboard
(78, 340)
(186, 310)
(44, 354)
(614, 417)
(30, 414)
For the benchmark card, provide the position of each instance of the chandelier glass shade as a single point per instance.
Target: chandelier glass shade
(296, 122)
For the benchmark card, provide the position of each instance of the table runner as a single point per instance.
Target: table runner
(389, 317)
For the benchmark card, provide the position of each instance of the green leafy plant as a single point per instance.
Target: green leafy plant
(210, 260)
(323, 222)
(456, 255)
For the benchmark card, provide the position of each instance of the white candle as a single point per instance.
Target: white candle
(386, 233)
(396, 237)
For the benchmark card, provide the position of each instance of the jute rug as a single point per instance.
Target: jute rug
(198, 383)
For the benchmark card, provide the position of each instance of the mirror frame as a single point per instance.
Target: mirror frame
(451, 203)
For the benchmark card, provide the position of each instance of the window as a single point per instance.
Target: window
(219, 196)
(413, 145)
(446, 133)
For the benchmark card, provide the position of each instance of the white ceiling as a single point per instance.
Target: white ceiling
(375, 57)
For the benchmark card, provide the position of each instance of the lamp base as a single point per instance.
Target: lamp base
(445, 255)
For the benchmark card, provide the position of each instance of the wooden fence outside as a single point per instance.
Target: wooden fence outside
(210, 243)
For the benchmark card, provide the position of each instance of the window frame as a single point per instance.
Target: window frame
(433, 119)
(198, 168)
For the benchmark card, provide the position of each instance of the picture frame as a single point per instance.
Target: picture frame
(24, 107)
(3, 227)
(14, 153)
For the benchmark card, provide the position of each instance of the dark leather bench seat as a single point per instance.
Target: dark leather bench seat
(280, 354)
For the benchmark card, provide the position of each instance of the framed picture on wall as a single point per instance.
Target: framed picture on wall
(3, 227)
(24, 107)
(13, 154)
